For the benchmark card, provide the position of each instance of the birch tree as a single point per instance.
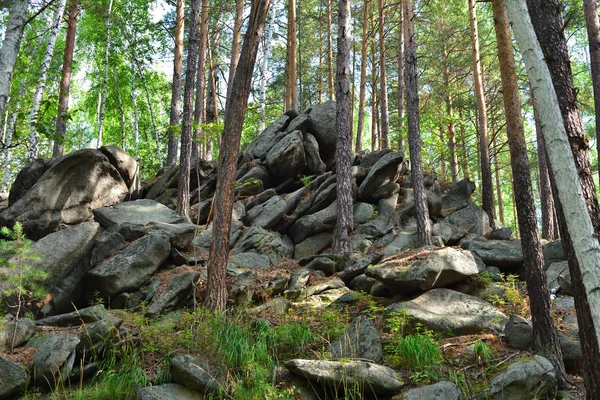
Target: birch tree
(363, 76)
(200, 70)
(265, 65)
(105, 79)
(291, 91)
(176, 85)
(383, 97)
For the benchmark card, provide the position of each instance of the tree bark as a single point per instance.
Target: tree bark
(487, 191)
(545, 336)
(363, 77)
(235, 45)
(383, 97)
(414, 130)
(136, 117)
(121, 111)
(401, 90)
(173, 145)
(548, 24)
(345, 221)
(291, 91)
(216, 293)
(105, 80)
(17, 14)
(65, 82)
(41, 87)
(498, 186)
(330, 75)
(450, 124)
(590, 10)
(265, 67)
(199, 110)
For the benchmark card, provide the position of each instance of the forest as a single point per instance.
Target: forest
(209, 174)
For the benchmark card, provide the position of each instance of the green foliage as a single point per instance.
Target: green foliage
(24, 280)
(396, 321)
(483, 352)
(305, 179)
(513, 299)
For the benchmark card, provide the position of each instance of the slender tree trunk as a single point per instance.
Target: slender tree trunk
(152, 119)
(330, 75)
(345, 221)
(105, 81)
(450, 125)
(401, 90)
(200, 80)
(173, 145)
(498, 186)
(363, 76)
(320, 71)
(41, 87)
(442, 153)
(545, 337)
(383, 104)
(235, 45)
(549, 28)
(65, 83)
(121, 111)
(374, 113)
(265, 66)
(136, 116)
(17, 14)
(487, 192)
(414, 130)
(590, 10)
(463, 146)
(212, 102)
(291, 91)
(216, 293)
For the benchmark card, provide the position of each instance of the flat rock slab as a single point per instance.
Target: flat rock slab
(498, 253)
(195, 374)
(170, 391)
(54, 358)
(440, 391)
(361, 340)
(76, 318)
(15, 333)
(365, 377)
(424, 270)
(445, 310)
(13, 379)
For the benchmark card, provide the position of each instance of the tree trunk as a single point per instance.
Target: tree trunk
(498, 186)
(17, 14)
(383, 97)
(363, 77)
(487, 191)
(212, 103)
(136, 117)
(121, 111)
(105, 81)
(442, 153)
(549, 224)
(200, 80)
(173, 145)
(463, 146)
(401, 90)
(549, 28)
(216, 292)
(235, 45)
(330, 76)
(65, 82)
(345, 221)
(265, 67)
(291, 91)
(590, 10)
(545, 337)
(414, 130)
(41, 87)
(450, 125)
(151, 110)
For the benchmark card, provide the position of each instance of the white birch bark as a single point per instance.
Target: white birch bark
(579, 224)
(136, 117)
(17, 14)
(121, 111)
(105, 82)
(265, 65)
(8, 138)
(39, 92)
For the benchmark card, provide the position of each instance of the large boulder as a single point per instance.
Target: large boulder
(267, 214)
(15, 333)
(440, 391)
(192, 373)
(323, 128)
(125, 165)
(130, 268)
(13, 380)
(522, 380)
(259, 148)
(178, 287)
(64, 255)
(312, 224)
(445, 310)
(67, 193)
(286, 159)
(153, 216)
(169, 391)
(314, 164)
(27, 177)
(471, 219)
(359, 377)
(385, 171)
(271, 244)
(424, 270)
(54, 358)
(504, 254)
(361, 340)
(459, 195)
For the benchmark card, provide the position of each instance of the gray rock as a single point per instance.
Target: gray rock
(54, 358)
(386, 170)
(13, 380)
(572, 353)
(269, 243)
(439, 268)
(107, 244)
(310, 225)
(169, 391)
(369, 158)
(383, 223)
(259, 199)
(286, 159)
(95, 335)
(323, 128)
(130, 268)
(267, 214)
(501, 234)
(257, 172)
(195, 374)
(297, 283)
(459, 195)
(15, 333)
(564, 280)
(364, 377)
(153, 216)
(362, 283)
(244, 287)
(363, 212)
(28, 177)
(314, 164)
(402, 241)
(361, 243)
(564, 303)
(522, 380)
(470, 219)
(313, 245)
(553, 272)
(352, 270)
(279, 306)
(498, 253)
(440, 391)
(251, 260)
(361, 340)
(519, 332)
(324, 264)
(67, 193)
(260, 146)
(76, 318)
(322, 287)
(177, 288)
(204, 236)
(445, 310)
(125, 165)
(301, 123)
(554, 252)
